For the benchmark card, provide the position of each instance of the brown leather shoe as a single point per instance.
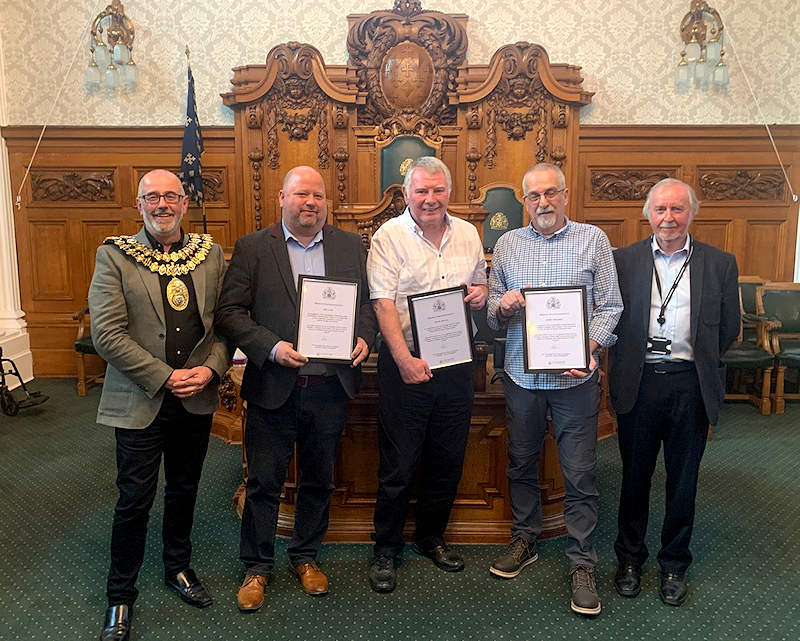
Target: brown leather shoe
(312, 579)
(251, 595)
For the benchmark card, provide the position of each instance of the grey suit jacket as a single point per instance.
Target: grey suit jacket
(714, 314)
(257, 307)
(129, 332)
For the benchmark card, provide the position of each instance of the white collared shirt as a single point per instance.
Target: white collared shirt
(677, 326)
(402, 262)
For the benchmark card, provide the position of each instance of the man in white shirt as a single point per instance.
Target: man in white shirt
(423, 417)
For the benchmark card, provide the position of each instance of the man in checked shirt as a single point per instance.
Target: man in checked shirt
(553, 251)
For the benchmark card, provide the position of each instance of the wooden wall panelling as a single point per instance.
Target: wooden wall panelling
(82, 188)
(746, 206)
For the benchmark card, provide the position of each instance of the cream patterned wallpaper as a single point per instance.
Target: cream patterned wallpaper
(627, 48)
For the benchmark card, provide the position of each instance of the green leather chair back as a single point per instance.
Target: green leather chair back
(397, 155)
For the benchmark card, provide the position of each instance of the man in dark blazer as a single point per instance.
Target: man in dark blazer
(152, 301)
(667, 380)
(289, 399)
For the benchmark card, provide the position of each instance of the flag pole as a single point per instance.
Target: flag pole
(203, 202)
(192, 148)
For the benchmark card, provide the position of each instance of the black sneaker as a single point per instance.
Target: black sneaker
(382, 574)
(518, 554)
(584, 591)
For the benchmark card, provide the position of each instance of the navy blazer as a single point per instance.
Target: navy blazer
(257, 307)
(714, 314)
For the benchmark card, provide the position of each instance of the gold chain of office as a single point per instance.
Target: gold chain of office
(177, 263)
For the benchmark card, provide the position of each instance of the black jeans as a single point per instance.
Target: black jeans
(669, 410)
(314, 417)
(182, 437)
(421, 427)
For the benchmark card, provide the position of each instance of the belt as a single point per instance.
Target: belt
(669, 367)
(313, 380)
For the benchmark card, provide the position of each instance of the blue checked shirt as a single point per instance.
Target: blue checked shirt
(577, 254)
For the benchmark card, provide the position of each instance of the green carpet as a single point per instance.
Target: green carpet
(57, 495)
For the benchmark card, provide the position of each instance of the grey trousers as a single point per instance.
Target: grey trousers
(574, 412)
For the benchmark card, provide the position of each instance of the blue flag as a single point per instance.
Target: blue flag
(192, 149)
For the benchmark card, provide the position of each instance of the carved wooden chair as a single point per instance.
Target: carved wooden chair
(83, 346)
(750, 361)
(780, 302)
(747, 305)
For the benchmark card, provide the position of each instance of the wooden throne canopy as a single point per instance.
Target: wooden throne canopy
(407, 81)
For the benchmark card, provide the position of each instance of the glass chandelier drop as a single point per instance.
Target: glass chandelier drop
(702, 60)
(111, 64)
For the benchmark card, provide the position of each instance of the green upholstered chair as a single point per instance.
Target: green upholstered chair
(83, 346)
(503, 201)
(780, 302)
(749, 364)
(397, 155)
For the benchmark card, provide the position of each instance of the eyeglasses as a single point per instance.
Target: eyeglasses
(550, 194)
(153, 198)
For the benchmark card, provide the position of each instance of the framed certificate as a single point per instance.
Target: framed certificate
(556, 332)
(440, 322)
(327, 318)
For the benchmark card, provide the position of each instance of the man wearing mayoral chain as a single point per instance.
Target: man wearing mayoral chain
(152, 301)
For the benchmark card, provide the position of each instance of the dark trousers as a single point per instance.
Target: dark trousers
(669, 410)
(314, 417)
(182, 437)
(421, 427)
(574, 412)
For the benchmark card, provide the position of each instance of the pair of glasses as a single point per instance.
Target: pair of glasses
(153, 198)
(550, 194)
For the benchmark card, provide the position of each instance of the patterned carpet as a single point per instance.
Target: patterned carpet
(57, 493)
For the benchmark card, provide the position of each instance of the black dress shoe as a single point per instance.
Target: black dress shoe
(189, 588)
(444, 558)
(673, 590)
(117, 626)
(628, 580)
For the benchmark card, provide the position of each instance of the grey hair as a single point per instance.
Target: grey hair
(694, 203)
(545, 166)
(430, 165)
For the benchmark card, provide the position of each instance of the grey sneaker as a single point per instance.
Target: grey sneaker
(382, 574)
(584, 591)
(518, 554)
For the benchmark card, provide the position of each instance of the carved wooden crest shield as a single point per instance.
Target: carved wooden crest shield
(407, 78)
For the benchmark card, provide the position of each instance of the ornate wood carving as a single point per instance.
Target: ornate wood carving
(340, 157)
(255, 116)
(741, 184)
(59, 185)
(473, 158)
(214, 185)
(406, 62)
(519, 103)
(392, 205)
(256, 157)
(295, 103)
(625, 184)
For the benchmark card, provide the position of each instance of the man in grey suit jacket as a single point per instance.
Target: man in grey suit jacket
(152, 301)
(289, 399)
(667, 381)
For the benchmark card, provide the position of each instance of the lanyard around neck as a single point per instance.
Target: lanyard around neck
(665, 301)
